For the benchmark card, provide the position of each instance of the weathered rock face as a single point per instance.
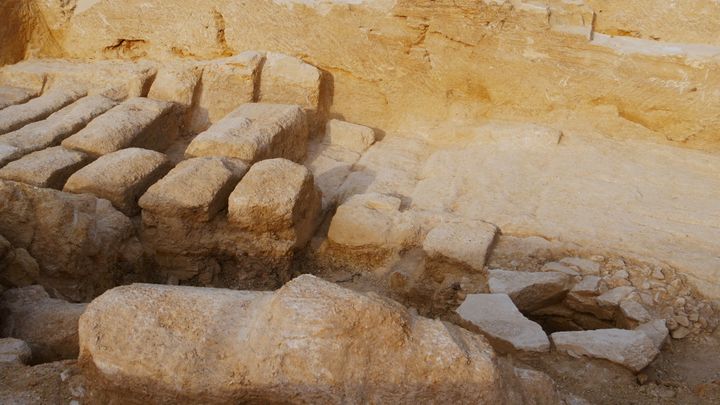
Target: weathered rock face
(82, 245)
(311, 341)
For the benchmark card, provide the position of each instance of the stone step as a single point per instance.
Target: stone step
(120, 177)
(17, 116)
(195, 189)
(254, 132)
(10, 95)
(48, 168)
(138, 122)
(58, 126)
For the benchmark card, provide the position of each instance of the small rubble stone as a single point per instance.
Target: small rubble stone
(356, 138)
(48, 168)
(497, 317)
(14, 351)
(196, 189)
(17, 116)
(255, 132)
(587, 267)
(530, 290)
(613, 297)
(680, 333)
(632, 349)
(465, 242)
(120, 177)
(276, 195)
(634, 311)
(48, 325)
(656, 330)
(560, 268)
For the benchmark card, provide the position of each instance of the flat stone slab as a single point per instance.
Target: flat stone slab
(276, 195)
(255, 132)
(10, 95)
(497, 317)
(656, 330)
(196, 188)
(48, 168)
(14, 351)
(530, 290)
(466, 243)
(17, 116)
(120, 177)
(138, 122)
(632, 349)
(58, 126)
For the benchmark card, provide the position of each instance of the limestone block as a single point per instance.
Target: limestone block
(196, 189)
(372, 221)
(188, 342)
(356, 138)
(289, 80)
(48, 168)
(254, 132)
(226, 84)
(10, 95)
(586, 267)
(48, 325)
(176, 83)
(14, 351)
(632, 349)
(497, 317)
(58, 126)
(120, 177)
(657, 331)
(612, 298)
(81, 244)
(17, 116)
(465, 242)
(330, 165)
(583, 297)
(529, 290)
(8, 153)
(138, 122)
(634, 312)
(276, 195)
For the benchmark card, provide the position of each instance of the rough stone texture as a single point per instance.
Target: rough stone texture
(267, 347)
(466, 243)
(48, 325)
(276, 196)
(254, 132)
(120, 177)
(331, 165)
(560, 268)
(15, 95)
(17, 116)
(226, 84)
(657, 331)
(196, 189)
(138, 122)
(58, 126)
(356, 138)
(529, 291)
(14, 351)
(8, 153)
(587, 267)
(176, 83)
(497, 317)
(632, 349)
(82, 244)
(17, 267)
(613, 297)
(634, 312)
(48, 168)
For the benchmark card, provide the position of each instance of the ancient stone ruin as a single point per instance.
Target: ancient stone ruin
(359, 202)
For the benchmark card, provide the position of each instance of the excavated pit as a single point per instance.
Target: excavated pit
(509, 202)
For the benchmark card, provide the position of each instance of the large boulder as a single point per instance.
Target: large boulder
(309, 342)
(48, 325)
(82, 245)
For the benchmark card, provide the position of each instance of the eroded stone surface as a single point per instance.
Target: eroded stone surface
(17, 116)
(14, 351)
(120, 177)
(632, 349)
(48, 168)
(465, 242)
(529, 290)
(15, 95)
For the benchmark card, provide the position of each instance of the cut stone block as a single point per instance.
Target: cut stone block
(14, 351)
(138, 122)
(58, 126)
(8, 153)
(176, 84)
(10, 95)
(530, 290)
(48, 168)
(276, 195)
(632, 349)
(467, 243)
(497, 317)
(255, 132)
(226, 84)
(17, 116)
(289, 80)
(356, 138)
(120, 177)
(196, 189)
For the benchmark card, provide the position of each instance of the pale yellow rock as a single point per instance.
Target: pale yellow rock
(120, 177)
(17, 116)
(356, 138)
(467, 243)
(189, 342)
(48, 168)
(15, 95)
